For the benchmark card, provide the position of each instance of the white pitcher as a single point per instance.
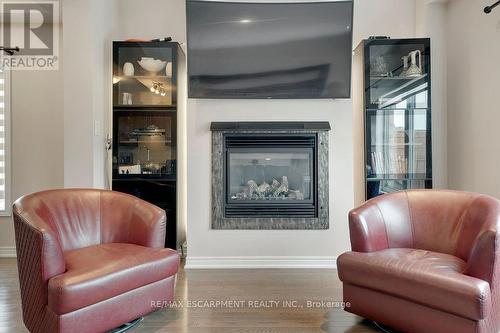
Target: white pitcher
(415, 69)
(128, 69)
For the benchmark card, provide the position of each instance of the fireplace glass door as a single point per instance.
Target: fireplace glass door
(270, 175)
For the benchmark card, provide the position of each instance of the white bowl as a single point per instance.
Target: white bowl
(152, 65)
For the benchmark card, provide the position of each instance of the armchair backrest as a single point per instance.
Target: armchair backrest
(48, 223)
(85, 217)
(436, 220)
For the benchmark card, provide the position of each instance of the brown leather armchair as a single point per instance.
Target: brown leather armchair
(425, 261)
(90, 260)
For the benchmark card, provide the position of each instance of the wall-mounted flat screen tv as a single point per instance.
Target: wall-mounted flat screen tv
(269, 49)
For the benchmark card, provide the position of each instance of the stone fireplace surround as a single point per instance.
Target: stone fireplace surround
(318, 217)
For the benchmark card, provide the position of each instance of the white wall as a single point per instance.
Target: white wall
(393, 18)
(83, 101)
(473, 90)
(205, 242)
(168, 19)
(152, 19)
(52, 147)
(209, 248)
(53, 112)
(104, 30)
(37, 139)
(89, 27)
(77, 74)
(431, 16)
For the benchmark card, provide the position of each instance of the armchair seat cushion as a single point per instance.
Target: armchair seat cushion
(97, 273)
(429, 278)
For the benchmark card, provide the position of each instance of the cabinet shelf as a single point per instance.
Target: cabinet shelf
(123, 107)
(145, 80)
(155, 180)
(391, 91)
(140, 77)
(395, 144)
(398, 177)
(134, 142)
(398, 79)
(389, 109)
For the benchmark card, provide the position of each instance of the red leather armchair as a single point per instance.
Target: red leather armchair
(90, 260)
(425, 261)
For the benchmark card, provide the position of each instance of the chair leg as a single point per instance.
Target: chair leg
(127, 326)
(382, 328)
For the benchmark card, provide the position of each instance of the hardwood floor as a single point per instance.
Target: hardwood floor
(248, 288)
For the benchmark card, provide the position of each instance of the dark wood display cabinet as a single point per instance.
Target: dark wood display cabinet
(397, 114)
(145, 98)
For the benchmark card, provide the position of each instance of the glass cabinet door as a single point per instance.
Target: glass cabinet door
(145, 144)
(395, 72)
(397, 145)
(143, 74)
(397, 116)
(398, 150)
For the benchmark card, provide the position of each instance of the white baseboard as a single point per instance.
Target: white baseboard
(260, 262)
(7, 251)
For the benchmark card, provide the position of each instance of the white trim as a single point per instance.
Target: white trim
(7, 252)
(260, 262)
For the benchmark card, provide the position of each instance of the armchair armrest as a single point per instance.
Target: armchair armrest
(36, 240)
(367, 228)
(148, 225)
(481, 263)
(39, 258)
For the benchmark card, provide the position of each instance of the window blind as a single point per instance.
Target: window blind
(4, 142)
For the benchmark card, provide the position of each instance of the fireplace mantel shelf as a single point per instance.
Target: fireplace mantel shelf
(271, 125)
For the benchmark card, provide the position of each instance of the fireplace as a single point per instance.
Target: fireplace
(270, 175)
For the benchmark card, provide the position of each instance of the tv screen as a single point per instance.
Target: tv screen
(269, 50)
